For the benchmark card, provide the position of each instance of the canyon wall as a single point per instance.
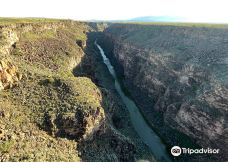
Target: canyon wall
(178, 76)
(46, 112)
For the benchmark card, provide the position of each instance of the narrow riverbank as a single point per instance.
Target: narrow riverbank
(147, 135)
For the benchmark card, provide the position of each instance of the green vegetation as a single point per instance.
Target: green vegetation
(45, 58)
(30, 36)
(10, 21)
(6, 146)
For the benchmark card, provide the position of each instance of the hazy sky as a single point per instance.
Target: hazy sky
(190, 10)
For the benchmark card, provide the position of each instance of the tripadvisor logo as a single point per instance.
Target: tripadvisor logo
(176, 151)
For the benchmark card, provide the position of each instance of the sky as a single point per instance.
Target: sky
(189, 10)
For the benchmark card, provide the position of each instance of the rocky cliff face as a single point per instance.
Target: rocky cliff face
(49, 114)
(178, 76)
(9, 75)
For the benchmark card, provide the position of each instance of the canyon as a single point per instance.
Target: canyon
(178, 77)
(59, 101)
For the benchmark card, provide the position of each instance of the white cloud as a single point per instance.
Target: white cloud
(192, 10)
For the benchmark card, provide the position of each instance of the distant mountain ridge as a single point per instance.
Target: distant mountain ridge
(146, 19)
(157, 19)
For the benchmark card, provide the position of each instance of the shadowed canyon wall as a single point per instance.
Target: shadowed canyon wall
(178, 76)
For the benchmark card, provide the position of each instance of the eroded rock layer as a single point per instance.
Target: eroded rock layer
(178, 76)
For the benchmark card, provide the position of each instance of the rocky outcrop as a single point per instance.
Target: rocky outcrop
(9, 74)
(78, 125)
(81, 43)
(8, 37)
(178, 72)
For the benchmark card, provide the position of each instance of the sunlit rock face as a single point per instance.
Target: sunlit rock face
(180, 72)
(9, 75)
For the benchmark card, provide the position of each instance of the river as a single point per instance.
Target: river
(148, 136)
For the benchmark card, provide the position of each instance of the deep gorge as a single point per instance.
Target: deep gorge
(60, 97)
(177, 76)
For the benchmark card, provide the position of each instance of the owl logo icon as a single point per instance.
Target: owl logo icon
(175, 150)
